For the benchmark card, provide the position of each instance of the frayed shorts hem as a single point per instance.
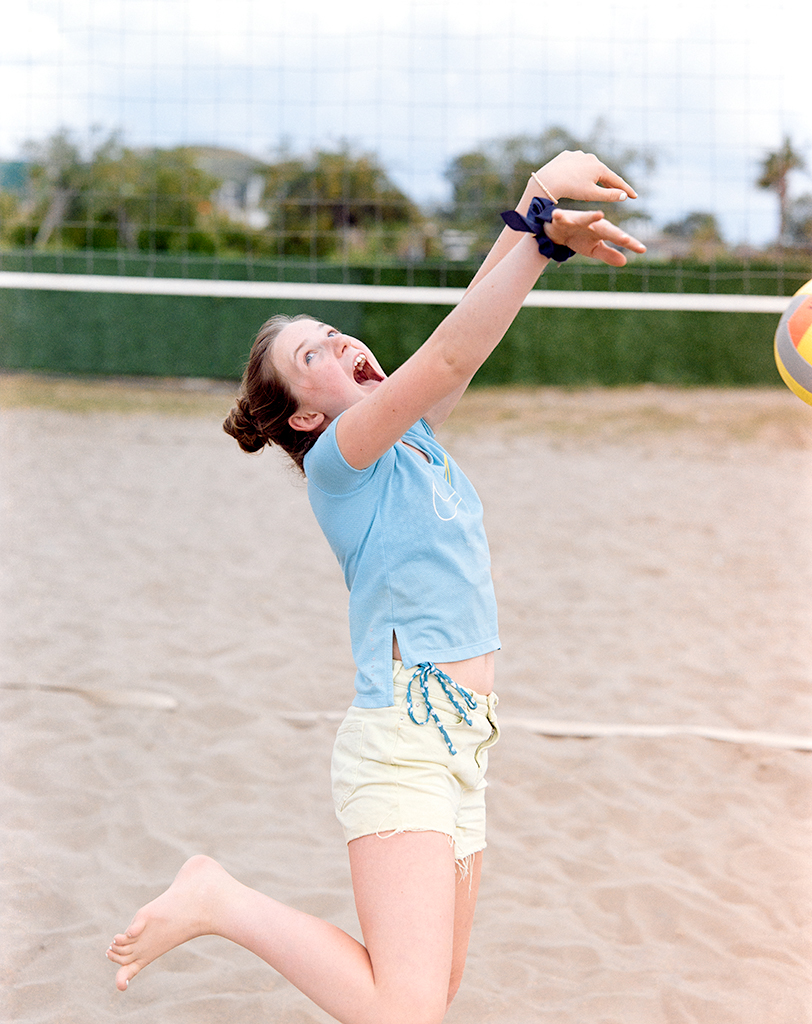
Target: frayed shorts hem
(392, 775)
(463, 861)
(458, 851)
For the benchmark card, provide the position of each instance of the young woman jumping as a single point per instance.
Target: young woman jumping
(406, 526)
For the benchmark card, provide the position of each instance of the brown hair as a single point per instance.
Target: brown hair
(265, 402)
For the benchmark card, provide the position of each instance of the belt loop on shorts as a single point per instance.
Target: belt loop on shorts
(422, 672)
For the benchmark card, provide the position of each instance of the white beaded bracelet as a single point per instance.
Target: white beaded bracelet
(543, 187)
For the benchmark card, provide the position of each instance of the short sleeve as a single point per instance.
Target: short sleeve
(421, 427)
(326, 468)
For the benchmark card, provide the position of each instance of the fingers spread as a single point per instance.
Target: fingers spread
(606, 254)
(590, 234)
(611, 233)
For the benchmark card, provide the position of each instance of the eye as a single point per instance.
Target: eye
(307, 357)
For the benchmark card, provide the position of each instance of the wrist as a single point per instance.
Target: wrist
(538, 215)
(535, 178)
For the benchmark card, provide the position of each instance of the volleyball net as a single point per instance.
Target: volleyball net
(304, 292)
(294, 149)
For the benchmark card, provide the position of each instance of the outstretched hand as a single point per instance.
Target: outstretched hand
(579, 175)
(588, 234)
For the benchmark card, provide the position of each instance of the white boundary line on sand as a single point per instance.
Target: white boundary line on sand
(134, 697)
(594, 730)
(304, 292)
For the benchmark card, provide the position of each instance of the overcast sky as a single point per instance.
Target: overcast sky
(709, 88)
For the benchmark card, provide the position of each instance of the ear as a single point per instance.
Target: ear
(306, 421)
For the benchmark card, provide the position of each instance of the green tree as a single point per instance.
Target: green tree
(114, 197)
(697, 227)
(701, 231)
(333, 201)
(484, 180)
(800, 222)
(478, 188)
(58, 177)
(9, 212)
(167, 196)
(775, 171)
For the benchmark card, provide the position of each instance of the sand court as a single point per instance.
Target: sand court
(175, 651)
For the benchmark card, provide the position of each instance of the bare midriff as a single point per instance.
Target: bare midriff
(475, 674)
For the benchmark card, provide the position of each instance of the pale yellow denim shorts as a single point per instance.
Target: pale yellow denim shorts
(393, 769)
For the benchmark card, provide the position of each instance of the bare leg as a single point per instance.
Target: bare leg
(205, 900)
(405, 890)
(464, 907)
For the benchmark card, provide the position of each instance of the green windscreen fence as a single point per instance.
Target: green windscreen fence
(159, 333)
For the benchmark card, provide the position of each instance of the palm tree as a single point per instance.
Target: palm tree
(775, 170)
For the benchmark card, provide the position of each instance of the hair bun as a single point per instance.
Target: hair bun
(242, 426)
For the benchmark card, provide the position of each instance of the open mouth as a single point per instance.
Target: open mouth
(362, 371)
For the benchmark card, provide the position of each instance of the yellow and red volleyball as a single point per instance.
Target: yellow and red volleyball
(793, 344)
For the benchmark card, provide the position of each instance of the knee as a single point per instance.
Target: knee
(429, 1012)
(412, 1008)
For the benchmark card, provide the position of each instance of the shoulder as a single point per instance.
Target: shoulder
(327, 469)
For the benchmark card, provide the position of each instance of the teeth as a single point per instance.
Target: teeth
(360, 360)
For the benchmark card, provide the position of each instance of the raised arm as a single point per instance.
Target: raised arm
(432, 380)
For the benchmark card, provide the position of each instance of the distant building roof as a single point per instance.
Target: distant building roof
(225, 163)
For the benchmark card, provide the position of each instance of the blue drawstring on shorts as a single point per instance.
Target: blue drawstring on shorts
(422, 673)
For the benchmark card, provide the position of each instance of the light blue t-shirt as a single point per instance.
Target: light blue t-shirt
(408, 535)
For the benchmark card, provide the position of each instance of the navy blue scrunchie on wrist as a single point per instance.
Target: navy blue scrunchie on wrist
(539, 213)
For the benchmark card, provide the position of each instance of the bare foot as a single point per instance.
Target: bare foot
(187, 909)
